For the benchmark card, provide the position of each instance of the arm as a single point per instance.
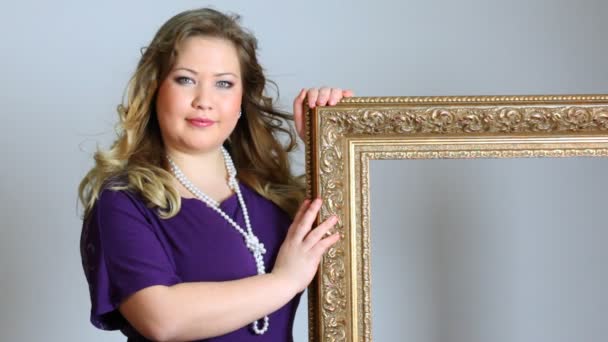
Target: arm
(191, 311)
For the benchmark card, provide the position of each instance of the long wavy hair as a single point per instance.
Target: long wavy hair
(135, 160)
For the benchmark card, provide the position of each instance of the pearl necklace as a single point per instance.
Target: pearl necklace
(252, 242)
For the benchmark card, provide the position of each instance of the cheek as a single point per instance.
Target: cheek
(235, 107)
(231, 109)
(169, 103)
(165, 99)
(166, 102)
(233, 103)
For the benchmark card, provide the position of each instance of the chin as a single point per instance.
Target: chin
(206, 147)
(199, 144)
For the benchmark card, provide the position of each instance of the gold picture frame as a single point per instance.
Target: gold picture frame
(341, 140)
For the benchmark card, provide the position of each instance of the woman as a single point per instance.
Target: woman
(192, 229)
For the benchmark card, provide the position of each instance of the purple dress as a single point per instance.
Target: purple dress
(126, 247)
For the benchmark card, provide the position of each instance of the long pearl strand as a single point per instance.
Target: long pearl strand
(252, 242)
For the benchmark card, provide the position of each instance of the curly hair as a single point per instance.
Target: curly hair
(135, 160)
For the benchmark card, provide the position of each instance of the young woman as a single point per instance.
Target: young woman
(194, 226)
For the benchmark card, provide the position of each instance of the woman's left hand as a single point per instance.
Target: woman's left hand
(315, 97)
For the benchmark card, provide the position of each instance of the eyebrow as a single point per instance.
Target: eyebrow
(217, 74)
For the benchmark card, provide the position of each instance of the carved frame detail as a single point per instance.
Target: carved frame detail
(341, 141)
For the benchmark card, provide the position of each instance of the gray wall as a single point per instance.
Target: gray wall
(65, 64)
(502, 250)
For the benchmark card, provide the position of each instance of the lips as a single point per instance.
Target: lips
(200, 122)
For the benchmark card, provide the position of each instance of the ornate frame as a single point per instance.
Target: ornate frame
(341, 141)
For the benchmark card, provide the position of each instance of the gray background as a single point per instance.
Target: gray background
(489, 250)
(65, 64)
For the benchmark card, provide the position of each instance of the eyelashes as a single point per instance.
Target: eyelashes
(224, 84)
(183, 80)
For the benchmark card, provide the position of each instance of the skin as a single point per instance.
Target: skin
(206, 83)
(315, 97)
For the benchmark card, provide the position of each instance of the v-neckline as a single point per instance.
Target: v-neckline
(222, 205)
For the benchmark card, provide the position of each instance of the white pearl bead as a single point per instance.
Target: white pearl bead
(252, 242)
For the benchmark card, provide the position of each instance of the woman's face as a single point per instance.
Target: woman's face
(199, 101)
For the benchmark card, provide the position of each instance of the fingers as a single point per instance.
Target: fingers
(315, 235)
(301, 96)
(305, 204)
(335, 95)
(304, 224)
(298, 216)
(318, 96)
(312, 95)
(324, 96)
(322, 246)
(298, 111)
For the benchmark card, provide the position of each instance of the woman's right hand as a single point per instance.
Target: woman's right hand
(315, 97)
(301, 252)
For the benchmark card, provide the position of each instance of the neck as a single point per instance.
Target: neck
(200, 168)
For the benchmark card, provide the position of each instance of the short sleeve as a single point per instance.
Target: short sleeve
(122, 253)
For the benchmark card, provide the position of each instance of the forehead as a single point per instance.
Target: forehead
(208, 54)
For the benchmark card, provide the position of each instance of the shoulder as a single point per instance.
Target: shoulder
(117, 217)
(111, 197)
(121, 206)
(120, 199)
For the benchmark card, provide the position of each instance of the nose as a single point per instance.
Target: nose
(202, 99)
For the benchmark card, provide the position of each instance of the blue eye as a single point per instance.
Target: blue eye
(184, 80)
(224, 84)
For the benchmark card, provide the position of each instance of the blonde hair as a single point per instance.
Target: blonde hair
(135, 160)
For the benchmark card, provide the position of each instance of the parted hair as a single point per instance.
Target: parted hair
(135, 161)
